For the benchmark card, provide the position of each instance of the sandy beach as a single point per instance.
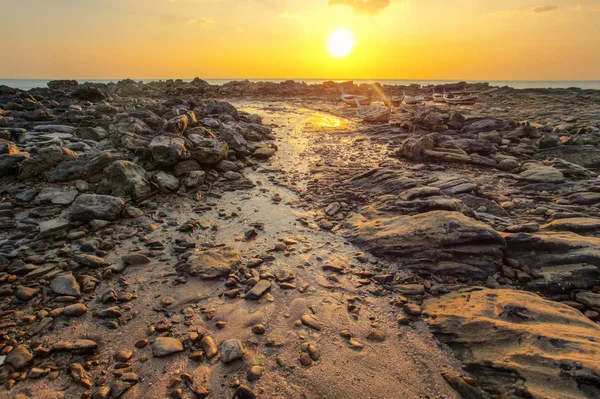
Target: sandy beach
(260, 240)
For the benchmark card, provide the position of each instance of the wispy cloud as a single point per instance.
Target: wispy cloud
(542, 9)
(362, 7)
(203, 22)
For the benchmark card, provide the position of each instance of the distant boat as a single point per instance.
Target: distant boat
(373, 114)
(461, 99)
(412, 100)
(352, 100)
(438, 98)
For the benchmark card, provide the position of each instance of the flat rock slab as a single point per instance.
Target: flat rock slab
(258, 290)
(426, 239)
(212, 264)
(516, 340)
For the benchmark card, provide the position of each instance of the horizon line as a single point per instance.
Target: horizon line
(320, 79)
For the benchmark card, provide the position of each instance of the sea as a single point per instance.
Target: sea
(27, 84)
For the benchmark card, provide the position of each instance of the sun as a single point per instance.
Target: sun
(341, 43)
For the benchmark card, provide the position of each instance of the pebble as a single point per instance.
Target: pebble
(164, 346)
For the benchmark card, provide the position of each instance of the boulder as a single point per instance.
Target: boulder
(176, 125)
(209, 151)
(510, 340)
(124, 178)
(88, 207)
(19, 358)
(233, 138)
(427, 240)
(168, 150)
(166, 181)
(542, 174)
(36, 166)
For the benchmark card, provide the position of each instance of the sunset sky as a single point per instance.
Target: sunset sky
(395, 39)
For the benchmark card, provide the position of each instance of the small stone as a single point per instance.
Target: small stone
(259, 329)
(376, 335)
(258, 290)
(140, 344)
(208, 345)
(25, 294)
(164, 346)
(75, 310)
(305, 360)
(123, 355)
(135, 259)
(310, 321)
(19, 358)
(243, 392)
(81, 376)
(255, 373)
(412, 309)
(232, 349)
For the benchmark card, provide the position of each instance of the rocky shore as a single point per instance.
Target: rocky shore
(256, 240)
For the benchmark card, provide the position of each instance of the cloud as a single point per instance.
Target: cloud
(203, 22)
(362, 7)
(541, 9)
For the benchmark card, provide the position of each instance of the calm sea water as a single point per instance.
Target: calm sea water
(27, 84)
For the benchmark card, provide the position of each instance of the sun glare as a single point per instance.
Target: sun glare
(341, 43)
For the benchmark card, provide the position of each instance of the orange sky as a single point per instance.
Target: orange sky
(395, 39)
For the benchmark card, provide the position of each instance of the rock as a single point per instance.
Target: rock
(38, 165)
(589, 299)
(65, 284)
(49, 228)
(166, 182)
(19, 358)
(258, 290)
(243, 392)
(509, 340)
(550, 140)
(81, 376)
(77, 347)
(585, 198)
(184, 167)
(167, 150)
(264, 152)
(212, 264)
(576, 225)
(463, 387)
(164, 346)
(587, 156)
(233, 138)
(92, 206)
(563, 260)
(123, 355)
(91, 261)
(26, 294)
(209, 347)
(483, 124)
(508, 164)
(194, 179)
(255, 373)
(412, 309)
(333, 208)
(232, 349)
(135, 259)
(430, 240)
(176, 125)
(311, 321)
(124, 178)
(542, 174)
(75, 310)
(209, 151)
